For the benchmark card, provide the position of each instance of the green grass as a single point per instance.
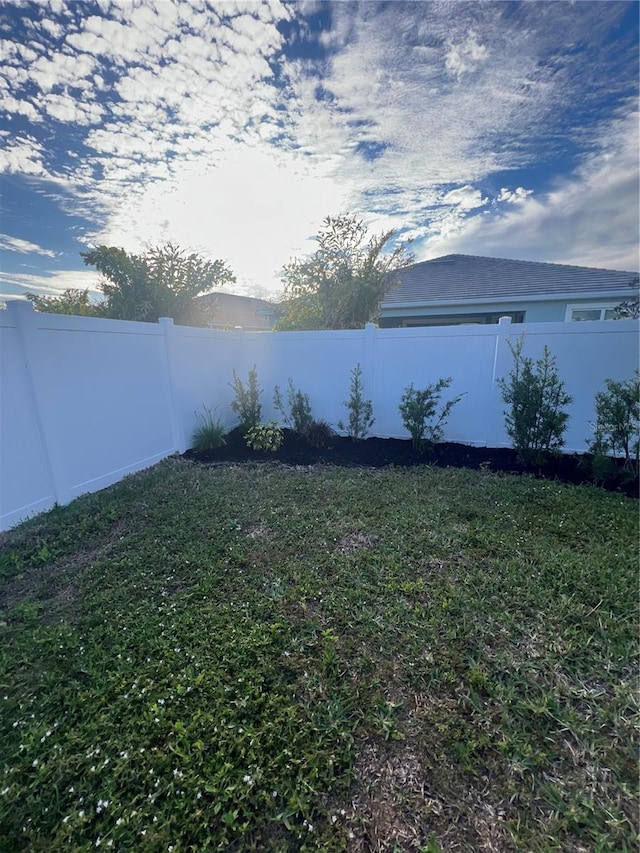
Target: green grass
(250, 657)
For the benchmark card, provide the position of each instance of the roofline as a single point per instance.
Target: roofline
(518, 261)
(487, 300)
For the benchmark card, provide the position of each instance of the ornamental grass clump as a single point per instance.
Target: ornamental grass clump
(209, 434)
(419, 411)
(319, 434)
(536, 397)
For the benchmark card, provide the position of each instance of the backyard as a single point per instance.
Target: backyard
(273, 657)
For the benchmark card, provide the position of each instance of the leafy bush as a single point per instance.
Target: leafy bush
(617, 428)
(247, 402)
(209, 433)
(265, 437)
(297, 412)
(319, 434)
(360, 410)
(535, 419)
(418, 409)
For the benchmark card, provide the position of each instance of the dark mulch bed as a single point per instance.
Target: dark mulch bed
(379, 452)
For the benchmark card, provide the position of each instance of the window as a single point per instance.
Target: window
(578, 313)
(462, 319)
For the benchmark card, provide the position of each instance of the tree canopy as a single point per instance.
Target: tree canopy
(341, 285)
(70, 301)
(630, 308)
(159, 283)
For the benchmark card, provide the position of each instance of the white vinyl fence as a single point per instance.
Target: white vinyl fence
(85, 401)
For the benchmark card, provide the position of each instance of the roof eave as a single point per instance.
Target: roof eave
(487, 300)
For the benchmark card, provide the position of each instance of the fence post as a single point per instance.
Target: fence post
(495, 419)
(22, 314)
(168, 333)
(368, 368)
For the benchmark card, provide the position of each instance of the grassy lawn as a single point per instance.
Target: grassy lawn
(252, 657)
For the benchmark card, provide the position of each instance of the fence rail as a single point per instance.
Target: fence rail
(85, 401)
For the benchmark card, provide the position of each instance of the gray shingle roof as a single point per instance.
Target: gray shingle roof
(461, 278)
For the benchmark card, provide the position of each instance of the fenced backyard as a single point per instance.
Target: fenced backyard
(85, 401)
(258, 657)
(286, 658)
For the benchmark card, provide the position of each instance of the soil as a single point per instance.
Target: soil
(380, 452)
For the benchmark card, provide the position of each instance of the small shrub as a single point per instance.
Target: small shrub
(247, 404)
(265, 437)
(209, 432)
(535, 419)
(360, 410)
(297, 412)
(617, 429)
(319, 434)
(419, 411)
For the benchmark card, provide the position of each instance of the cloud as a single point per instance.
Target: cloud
(23, 155)
(70, 110)
(62, 70)
(588, 219)
(466, 198)
(15, 285)
(513, 196)
(465, 56)
(24, 247)
(13, 106)
(394, 89)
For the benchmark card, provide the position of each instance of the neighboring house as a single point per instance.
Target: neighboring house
(467, 289)
(228, 310)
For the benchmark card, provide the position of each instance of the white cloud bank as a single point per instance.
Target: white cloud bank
(23, 247)
(588, 219)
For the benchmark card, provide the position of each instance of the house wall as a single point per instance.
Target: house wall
(547, 311)
(227, 310)
(84, 401)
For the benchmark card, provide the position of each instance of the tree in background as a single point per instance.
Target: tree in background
(160, 283)
(70, 301)
(341, 285)
(630, 308)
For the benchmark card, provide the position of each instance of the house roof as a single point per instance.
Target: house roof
(235, 309)
(469, 278)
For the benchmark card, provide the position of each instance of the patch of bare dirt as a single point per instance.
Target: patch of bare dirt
(401, 803)
(358, 541)
(260, 533)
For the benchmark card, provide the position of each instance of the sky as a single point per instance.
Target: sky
(233, 128)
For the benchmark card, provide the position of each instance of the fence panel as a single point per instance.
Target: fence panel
(26, 483)
(85, 401)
